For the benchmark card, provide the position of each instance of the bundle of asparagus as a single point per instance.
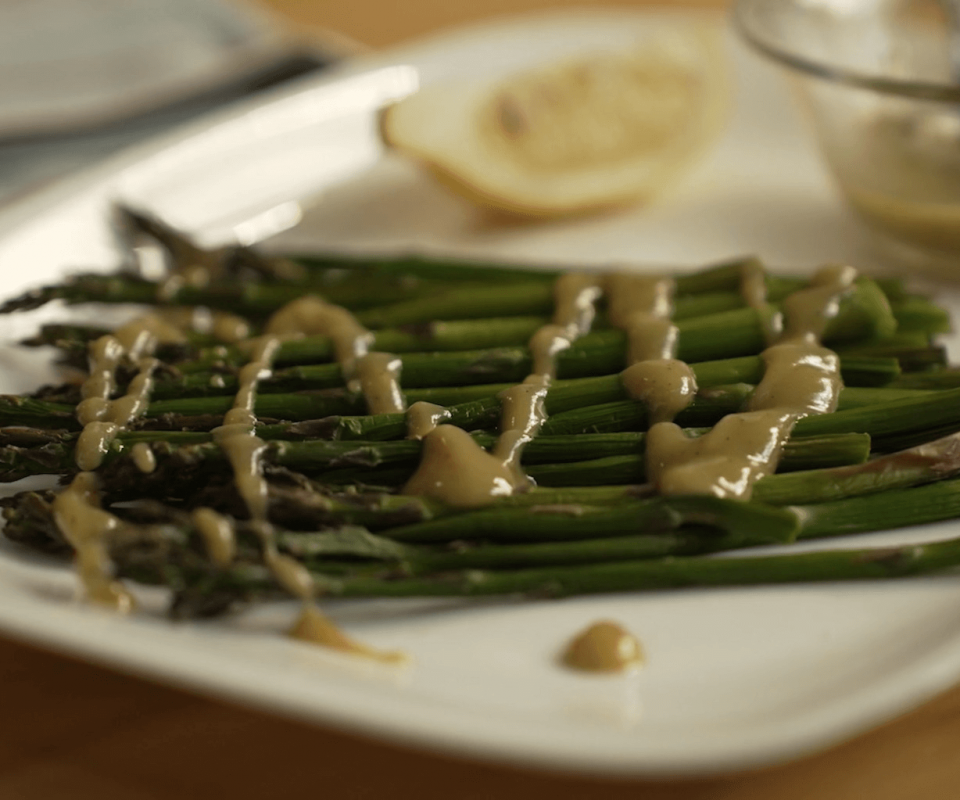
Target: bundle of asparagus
(247, 439)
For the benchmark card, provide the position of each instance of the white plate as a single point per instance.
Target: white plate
(736, 678)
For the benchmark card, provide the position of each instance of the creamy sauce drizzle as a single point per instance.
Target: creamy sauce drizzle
(77, 509)
(753, 284)
(314, 626)
(85, 526)
(753, 290)
(603, 647)
(237, 437)
(244, 450)
(574, 297)
(102, 417)
(665, 385)
(379, 378)
(312, 316)
(143, 457)
(801, 378)
(221, 325)
(457, 471)
(423, 417)
(522, 415)
(453, 467)
(642, 306)
(218, 535)
(228, 328)
(376, 375)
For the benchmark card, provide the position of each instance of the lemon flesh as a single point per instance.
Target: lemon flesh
(598, 130)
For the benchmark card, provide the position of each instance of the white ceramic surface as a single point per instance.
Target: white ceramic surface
(736, 678)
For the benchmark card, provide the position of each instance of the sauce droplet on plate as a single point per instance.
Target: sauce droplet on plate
(603, 647)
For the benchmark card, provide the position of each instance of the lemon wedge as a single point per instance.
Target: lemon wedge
(597, 130)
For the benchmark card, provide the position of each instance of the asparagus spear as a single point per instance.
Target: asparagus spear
(646, 575)
(507, 365)
(405, 274)
(34, 451)
(612, 470)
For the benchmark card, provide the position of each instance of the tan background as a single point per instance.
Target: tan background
(74, 730)
(380, 23)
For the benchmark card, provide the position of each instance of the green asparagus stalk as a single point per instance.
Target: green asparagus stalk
(865, 312)
(948, 378)
(931, 461)
(919, 412)
(583, 399)
(404, 275)
(671, 573)
(507, 365)
(31, 451)
(255, 299)
(613, 470)
(919, 314)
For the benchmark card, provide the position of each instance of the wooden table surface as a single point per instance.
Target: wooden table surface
(71, 729)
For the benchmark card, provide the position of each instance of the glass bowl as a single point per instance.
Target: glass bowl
(880, 80)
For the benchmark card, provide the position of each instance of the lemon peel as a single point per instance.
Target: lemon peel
(592, 131)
